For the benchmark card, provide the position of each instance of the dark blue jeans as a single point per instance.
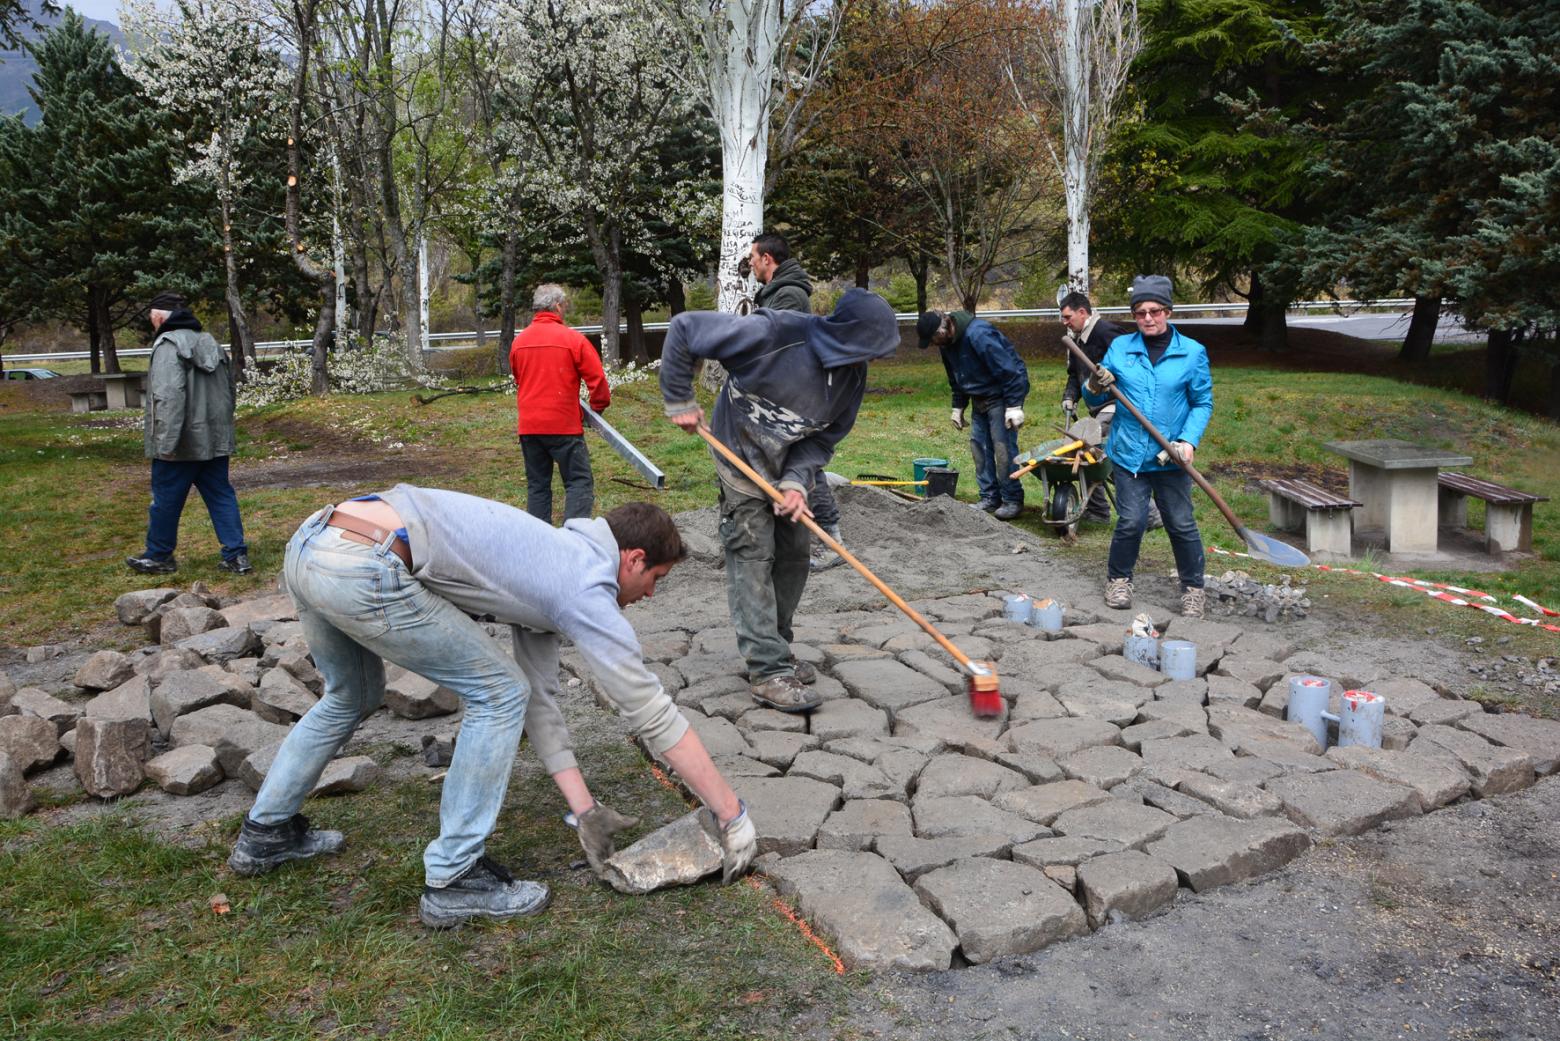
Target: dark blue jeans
(171, 482)
(993, 447)
(1172, 489)
(573, 459)
(821, 501)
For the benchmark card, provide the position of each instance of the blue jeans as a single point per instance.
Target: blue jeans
(1172, 489)
(993, 447)
(171, 482)
(359, 607)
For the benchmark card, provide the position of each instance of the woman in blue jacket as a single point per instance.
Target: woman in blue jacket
(1166, 376)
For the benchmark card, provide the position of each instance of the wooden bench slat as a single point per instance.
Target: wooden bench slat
(1486, 490)
(1307, 494)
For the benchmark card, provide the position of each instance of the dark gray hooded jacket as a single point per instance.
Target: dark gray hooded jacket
(189, 395)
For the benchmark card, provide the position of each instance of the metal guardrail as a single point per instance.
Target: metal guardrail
(1343, 307)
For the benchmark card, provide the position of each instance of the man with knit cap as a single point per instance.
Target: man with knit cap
(187, 432)
(1164, 374)
(794, 383)
(549, 360)
(984, 371)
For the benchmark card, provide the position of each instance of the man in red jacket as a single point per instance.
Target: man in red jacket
(549, 359)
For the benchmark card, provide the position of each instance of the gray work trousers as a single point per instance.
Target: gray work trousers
(766, 571)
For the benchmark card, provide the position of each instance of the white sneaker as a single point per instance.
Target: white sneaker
(1118, 592)
(1194, 601)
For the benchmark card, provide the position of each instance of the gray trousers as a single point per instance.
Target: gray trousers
(573, 459)
(766, 571)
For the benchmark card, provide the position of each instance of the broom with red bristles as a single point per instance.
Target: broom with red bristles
(985, 694)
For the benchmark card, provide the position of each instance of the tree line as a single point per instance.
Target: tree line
(297, 156)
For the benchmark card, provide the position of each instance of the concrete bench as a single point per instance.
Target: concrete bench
(1294, 504)
(88, 401)
(1508, 513)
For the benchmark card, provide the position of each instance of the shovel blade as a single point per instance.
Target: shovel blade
(1265, 547)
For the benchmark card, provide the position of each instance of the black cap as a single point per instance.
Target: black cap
(168, 301)
(926, 327)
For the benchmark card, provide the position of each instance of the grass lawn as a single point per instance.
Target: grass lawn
(107, 928)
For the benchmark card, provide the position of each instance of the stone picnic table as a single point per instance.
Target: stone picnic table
(124, 389)
(1396, 481)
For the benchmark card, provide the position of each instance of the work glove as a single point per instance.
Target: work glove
(1100, 382)
(738, 843)
(1069, 405)
(1183, 451)
(597, 827)
(1013, 418)
(956, 416)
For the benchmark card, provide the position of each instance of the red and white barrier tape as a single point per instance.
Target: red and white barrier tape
(1440, 591)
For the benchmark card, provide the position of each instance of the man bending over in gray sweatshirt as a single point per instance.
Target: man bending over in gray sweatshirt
(397, 577)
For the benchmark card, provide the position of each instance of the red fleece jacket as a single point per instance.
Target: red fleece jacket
(549, 359)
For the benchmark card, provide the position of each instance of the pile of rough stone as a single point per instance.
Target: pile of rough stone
(212, 696)
(1237, 593)
(917, 837)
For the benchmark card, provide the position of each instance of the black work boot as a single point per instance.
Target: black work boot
(484, 890)
(152, 565)
(238, 564)
(262, 847)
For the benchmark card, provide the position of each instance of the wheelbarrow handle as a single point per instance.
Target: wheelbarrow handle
(1191, 471)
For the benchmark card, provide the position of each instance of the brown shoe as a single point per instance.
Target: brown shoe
(804, 671)
(785, 693)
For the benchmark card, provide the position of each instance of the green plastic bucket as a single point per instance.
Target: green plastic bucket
(921, 466)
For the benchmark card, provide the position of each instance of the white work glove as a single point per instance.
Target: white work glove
(956, 416)
(1069, 405)
(1182, 449)
(1100, 382)
(597, 828)
(1013, 418)
(738, 843)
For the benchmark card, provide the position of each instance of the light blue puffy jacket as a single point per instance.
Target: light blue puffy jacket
(1176, 396)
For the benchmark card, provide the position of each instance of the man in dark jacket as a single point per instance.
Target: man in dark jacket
(1092, 334)
(187, 431)
(783, 286)
(549, 360)
(984, 369)
(793, 386)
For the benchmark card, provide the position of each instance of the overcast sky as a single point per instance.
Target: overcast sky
(107, 10)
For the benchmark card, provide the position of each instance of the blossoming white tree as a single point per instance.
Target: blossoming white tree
(216, 66)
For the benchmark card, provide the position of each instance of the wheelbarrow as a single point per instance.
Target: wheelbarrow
(1068, 468)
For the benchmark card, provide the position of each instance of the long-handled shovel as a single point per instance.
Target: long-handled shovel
(985, 694)
(1261, 546)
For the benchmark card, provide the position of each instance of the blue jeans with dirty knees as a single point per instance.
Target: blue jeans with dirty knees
(766, 571)
(993, 447)
(359, 607)
(1172, 490)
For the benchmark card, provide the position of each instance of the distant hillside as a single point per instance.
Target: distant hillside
(17, 67)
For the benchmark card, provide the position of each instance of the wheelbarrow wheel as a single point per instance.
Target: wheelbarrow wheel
(1060, 506)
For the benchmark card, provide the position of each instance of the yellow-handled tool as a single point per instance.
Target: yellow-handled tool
(1036, 462)
(883, 484)
(985, 695)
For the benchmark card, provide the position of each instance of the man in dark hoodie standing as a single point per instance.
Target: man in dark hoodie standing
(784, 286)
(984, 370)
(1092, 335)
(187, 431)
(793, 386)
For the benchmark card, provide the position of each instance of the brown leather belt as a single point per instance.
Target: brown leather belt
(370, 534)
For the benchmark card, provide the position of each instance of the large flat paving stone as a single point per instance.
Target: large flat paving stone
(1103, 766)
(954, 774)
(1404, 694)
(874, 920)
(1539, 738)
(1211, 851)
(942, 816)
(1115, 667)
(913, 857)
(1197, 752)
(847, 717)
(948, 719)
(1495, 770)
(1234, 798)
(1058, 737)
(888, 684)
(858, 824)
(1342, 802)
(1444, 712)
(1129, 885)
(1062, 851)
(777, 748)
(1000, 908)
(234, 732)
(1437, 781)
(1047, 663)
(1258, 672)
(786, 811)
(855, 779)
(1133, 825)
(1045, 802)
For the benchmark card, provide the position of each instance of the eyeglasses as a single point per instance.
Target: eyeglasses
(1150, 313)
